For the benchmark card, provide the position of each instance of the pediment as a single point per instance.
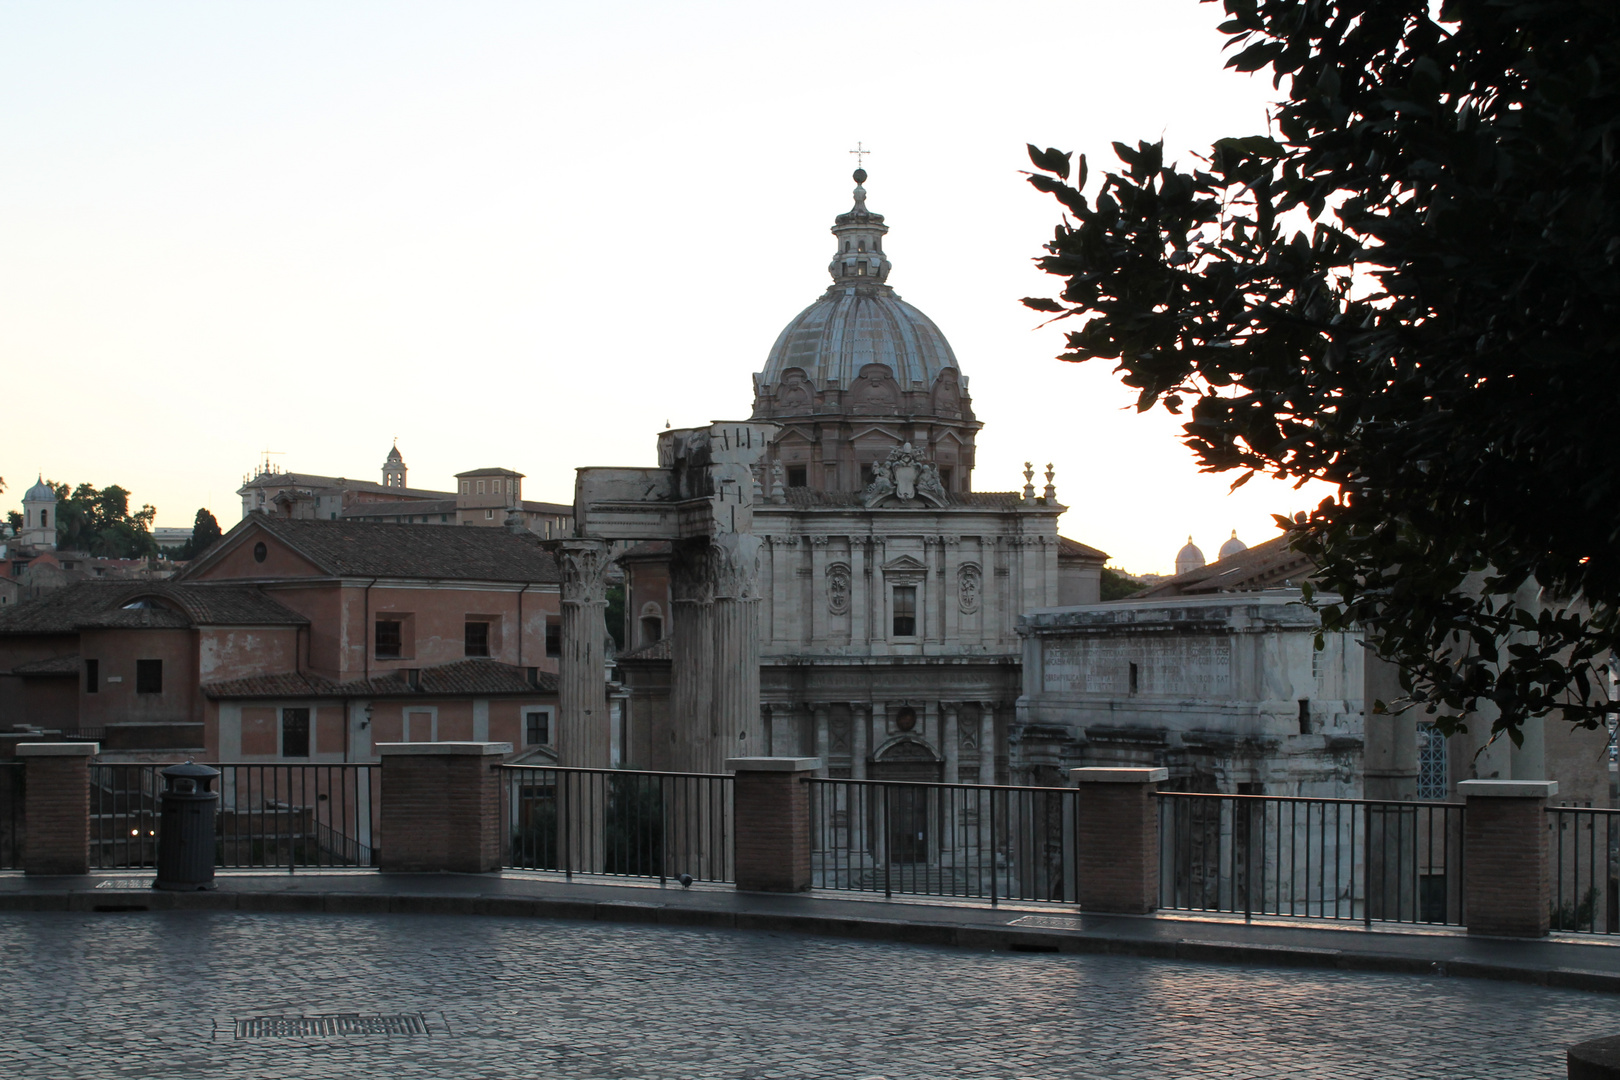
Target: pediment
(878, 429)
(903, 564)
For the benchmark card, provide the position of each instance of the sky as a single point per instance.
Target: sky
(532, 234)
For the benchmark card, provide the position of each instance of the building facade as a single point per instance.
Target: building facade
(887, 588)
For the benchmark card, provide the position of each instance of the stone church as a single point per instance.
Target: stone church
(887, 587)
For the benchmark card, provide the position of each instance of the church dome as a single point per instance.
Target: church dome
(40, 492)
(1189, 558)
(860, 320)
(1232, 546)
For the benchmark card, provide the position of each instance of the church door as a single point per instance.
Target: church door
(904, 808)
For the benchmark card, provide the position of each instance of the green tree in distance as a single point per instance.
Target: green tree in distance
(1409, 287)
(205, 532)
(100, 522)
(1116, 585)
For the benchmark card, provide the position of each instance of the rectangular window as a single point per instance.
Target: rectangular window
(1136, 678)
(905, 611)
(1304, 716)
(295, 733)
(553, 639)
(796, 476)
(489, 515)
(480, 487)
(537, 728)
(149, 676)
(1431, 749)
(92, 676)
(476, 639)
(389, 639)
(945, 479)
(464, 485)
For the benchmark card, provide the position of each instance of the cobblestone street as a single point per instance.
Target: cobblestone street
(144, 995)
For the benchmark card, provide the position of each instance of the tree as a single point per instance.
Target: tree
(100, 522)
(1409, 288)
(1117, 586)
(14, 519)
(205, 532)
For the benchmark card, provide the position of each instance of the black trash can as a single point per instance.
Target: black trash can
(185, 856)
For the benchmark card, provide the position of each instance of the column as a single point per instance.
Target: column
(823, 747)
(441, 808)
(951, 597)
(56, 807)
(860, 718)
(583, 735)
(1507, 886)
(773, 822)
(1117, 839)
(952, 740)
(819, 630)
(987, 742)
(954, 840)
(691, 655)
(736, 728)
(860, 588)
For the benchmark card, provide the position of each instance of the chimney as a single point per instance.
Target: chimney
(534, 677)
(413, 677)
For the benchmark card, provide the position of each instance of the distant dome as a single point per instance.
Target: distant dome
(1233, 546)
(1189, 558)
(40, 492)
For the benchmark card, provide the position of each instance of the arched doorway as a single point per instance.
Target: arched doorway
(904, 809)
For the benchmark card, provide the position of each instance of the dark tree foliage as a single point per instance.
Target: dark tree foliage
(14, 519)
(205, 532)
(1407, 288)
(1117, 586)
(100, 522)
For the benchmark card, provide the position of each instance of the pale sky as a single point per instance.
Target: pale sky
(529, 234)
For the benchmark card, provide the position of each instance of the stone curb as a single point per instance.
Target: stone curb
(941, 934)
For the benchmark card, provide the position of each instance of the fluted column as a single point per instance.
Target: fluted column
(951, 739)
(583, 737)
(691, 689)
(860, 720)
(822, 712)
(987, 743)
(736, 729)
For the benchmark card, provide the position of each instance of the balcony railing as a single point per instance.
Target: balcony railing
(619, 822)
(1342, 859)
(1584, 849)
(969, 841)
(268, 816)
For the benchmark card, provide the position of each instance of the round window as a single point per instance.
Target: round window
(905, 719)
(260, 551)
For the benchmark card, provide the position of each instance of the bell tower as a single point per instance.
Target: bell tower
(39, 516)
(393, 470)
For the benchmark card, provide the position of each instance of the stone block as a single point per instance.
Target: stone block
(1507, 881)
(772, 804)
(1117, 836)
(441, 807)
(56, 807)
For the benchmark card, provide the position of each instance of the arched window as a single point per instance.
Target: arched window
(44, 518)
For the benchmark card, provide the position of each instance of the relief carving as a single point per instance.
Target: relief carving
(907, 476)
(584, 565)
(969, 584)
(838, 583)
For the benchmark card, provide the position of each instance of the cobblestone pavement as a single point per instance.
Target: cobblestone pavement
(161, 994)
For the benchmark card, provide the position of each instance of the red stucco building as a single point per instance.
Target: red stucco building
(299, 640)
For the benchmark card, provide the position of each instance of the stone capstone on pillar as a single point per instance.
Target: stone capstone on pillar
(56, 807)
(772, 800)
(441, 807)
(1117, 837)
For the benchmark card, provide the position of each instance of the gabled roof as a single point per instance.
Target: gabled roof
(374, 549)
(1074, 549)
(175, 605)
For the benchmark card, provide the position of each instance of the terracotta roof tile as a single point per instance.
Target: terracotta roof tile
(178, 605)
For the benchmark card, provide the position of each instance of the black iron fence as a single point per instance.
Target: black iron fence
(269, 816)
(1346, 859)
(970, 841)
(11, 815)
(619, 822)
(1584, 849)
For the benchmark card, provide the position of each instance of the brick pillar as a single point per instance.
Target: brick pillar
(56, 806)
(441, 807)
(1507, 887)
(1117, 835)
(772, 804)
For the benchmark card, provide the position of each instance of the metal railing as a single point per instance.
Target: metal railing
(11, 814)
(619, 822)
(970, 841)
(268, 816)
(1584, 854)
(1342, 859)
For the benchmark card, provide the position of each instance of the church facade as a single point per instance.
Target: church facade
(888, 588)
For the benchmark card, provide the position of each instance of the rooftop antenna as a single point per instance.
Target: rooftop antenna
(860, 153)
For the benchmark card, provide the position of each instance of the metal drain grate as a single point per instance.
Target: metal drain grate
(1050, 922)
(330, 1025)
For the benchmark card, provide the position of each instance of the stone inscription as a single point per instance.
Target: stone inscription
(1195, 667)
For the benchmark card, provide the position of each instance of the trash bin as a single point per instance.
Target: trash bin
(185, 856)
